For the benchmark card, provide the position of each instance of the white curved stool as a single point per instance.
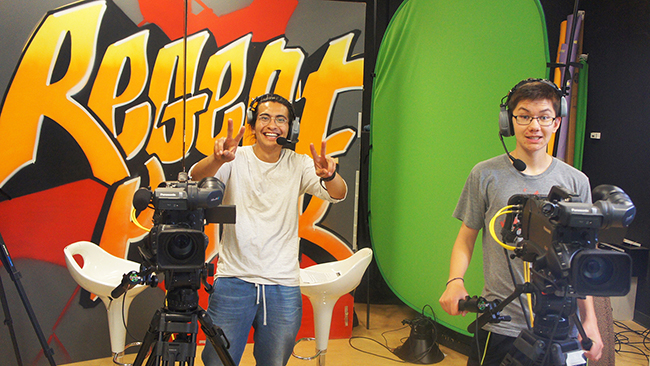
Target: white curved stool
(324, 284)
(101, 273)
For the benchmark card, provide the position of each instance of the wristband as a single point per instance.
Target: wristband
(454, 279)
(330, 178)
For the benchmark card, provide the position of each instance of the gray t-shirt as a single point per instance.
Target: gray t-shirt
(488, 188)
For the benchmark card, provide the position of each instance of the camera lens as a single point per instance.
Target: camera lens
(596, 270)
(181, 247)
(600, 272)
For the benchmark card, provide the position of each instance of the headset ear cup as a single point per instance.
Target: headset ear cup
(564, 107)
(505, 122)
(249, 116)
(252, 110)
(295, 130)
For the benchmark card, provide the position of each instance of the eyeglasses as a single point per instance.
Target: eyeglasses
(526, 120)
(265, 119)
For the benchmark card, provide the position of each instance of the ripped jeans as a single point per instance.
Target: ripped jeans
(274, 311)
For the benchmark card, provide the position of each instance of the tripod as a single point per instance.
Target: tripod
(15, 276)
(165, 323)
(179, 322)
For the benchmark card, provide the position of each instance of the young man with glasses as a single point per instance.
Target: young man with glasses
(257, 280)
(534, 110)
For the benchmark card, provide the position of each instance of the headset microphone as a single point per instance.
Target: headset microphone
(293, 134)
(517, 163)
(283, 141)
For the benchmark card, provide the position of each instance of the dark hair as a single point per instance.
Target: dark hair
(535, 89)
(252, 109)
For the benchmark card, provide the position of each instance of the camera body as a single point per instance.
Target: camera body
(559, 235)
(177, 241)
(176, 244)
(181, 210)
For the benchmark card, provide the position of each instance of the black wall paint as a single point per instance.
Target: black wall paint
(617, 39)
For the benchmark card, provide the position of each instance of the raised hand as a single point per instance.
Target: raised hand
(226, 147)
(324, 165)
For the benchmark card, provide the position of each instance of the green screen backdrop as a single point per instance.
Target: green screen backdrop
(442, 69)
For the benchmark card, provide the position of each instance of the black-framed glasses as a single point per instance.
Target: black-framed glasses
(265, 119)
(524, 120)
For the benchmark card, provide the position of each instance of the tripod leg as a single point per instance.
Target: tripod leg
(10, 323)
(148, 341)
(216, 337)
(15, 276)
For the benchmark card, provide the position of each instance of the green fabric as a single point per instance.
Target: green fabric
(581, 113)
(442, 69)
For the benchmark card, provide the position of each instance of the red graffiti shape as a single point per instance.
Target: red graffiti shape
(266, 19)
(41, 224)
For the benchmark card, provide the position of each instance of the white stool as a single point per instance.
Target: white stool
(101, 273)
(324, 284)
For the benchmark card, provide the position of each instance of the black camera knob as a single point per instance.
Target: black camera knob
(549, 209)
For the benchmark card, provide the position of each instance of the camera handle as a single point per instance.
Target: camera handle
(132, 278)
(492, 309)
(147, 276)
(476, 304)
(491, 314)
(586, 341)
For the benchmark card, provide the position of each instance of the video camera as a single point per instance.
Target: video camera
(176, 244)
(559, 235)
(182, 209)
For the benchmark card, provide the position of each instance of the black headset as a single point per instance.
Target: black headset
(294, 127)
(506, 128)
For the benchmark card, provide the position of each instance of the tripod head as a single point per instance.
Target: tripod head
(550, 336)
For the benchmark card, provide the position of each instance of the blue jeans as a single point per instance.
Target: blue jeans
(274, 311)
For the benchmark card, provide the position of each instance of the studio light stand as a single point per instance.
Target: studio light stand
(15, 276)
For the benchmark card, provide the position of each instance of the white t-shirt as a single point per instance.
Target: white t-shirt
(262, 247)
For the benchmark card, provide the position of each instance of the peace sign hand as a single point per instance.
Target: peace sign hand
(325, 166)
(226, 147)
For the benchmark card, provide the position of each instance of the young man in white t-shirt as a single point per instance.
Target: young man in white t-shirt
(257, 280)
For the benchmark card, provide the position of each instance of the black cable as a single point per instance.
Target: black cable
(379, 343)
(621, 339)
(392, 350)
(514, 283)
(124, 318)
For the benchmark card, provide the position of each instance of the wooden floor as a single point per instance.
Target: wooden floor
(632, 344)
(365, 346)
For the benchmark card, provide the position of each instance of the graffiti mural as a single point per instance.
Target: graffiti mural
(99, 105)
